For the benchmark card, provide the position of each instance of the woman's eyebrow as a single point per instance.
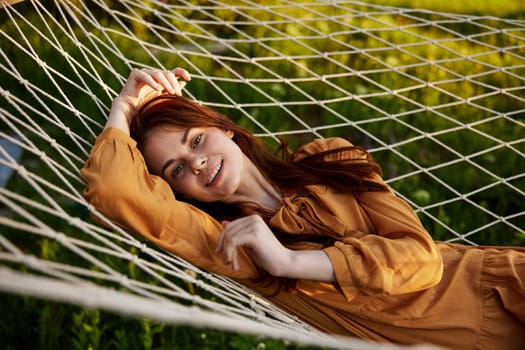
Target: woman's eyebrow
(183, 142)
(185, 136)
(166, 165)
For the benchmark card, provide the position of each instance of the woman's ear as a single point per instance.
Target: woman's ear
(229, 133)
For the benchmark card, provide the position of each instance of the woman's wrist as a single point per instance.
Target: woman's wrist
(142, 84)
(120, 115)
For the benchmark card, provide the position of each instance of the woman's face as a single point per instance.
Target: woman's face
(199, 163)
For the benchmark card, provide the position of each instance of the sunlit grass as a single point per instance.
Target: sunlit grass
(504, 8)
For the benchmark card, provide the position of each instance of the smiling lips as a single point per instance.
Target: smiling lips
(214, 174)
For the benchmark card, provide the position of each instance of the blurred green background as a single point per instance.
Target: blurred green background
(506, 8)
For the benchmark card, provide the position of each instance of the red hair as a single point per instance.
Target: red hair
(285, 173)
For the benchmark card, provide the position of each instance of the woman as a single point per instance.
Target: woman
(320, 234)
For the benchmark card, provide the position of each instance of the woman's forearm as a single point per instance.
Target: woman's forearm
(119, 115)
(252, 233)
(309, 264)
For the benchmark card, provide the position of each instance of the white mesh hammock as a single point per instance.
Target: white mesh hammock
(438, 98)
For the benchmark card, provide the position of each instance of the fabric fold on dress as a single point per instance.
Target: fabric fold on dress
(299, 215)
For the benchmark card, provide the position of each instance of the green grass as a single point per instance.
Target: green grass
(29, 323)
(506, 8)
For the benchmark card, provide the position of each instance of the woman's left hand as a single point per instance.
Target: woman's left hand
(252, 233)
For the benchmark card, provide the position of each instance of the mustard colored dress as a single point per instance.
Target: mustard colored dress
(394, 283)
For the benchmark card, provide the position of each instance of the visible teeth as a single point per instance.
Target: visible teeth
(214, 174)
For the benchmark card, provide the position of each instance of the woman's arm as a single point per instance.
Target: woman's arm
(398, 257)
(381, 246)
(252, 233)
(120, 187)
(141, 86)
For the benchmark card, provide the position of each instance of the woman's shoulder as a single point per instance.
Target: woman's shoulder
(342, 149)
(112, 133)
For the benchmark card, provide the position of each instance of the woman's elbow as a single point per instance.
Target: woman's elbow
(419, 274)
(103, 186)
(105, 196)
(430, 271)
(436, 268)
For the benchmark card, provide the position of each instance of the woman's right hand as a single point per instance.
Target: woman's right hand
(141, 86)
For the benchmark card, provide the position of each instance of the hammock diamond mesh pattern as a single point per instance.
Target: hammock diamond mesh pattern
(439, 100)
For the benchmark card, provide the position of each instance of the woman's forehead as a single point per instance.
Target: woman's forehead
(162, 138)
(165, 135)
(166, 131)
(162, 144)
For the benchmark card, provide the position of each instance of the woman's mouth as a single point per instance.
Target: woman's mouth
(214, 174)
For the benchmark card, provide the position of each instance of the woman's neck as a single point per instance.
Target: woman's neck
(255, 188)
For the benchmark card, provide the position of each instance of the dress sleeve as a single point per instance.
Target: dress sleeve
(399, 257)
(120, 187)
(392, 253)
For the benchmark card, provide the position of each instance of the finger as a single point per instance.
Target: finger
(146, 78)
(229, 248)
(220, 244)
(182, 73)
(230, 241)
(235, 261)
(229, 254)
(161, 79)
(175, 87)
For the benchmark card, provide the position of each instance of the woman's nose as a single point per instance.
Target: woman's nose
(198, 163)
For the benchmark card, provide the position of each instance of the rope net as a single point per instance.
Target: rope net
(437, 98)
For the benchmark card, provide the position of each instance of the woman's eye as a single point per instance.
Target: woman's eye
(196, 141)
(177, 169)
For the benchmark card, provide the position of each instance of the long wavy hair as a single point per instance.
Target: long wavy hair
(282, 171)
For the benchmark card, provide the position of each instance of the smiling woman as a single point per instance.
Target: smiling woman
(318, 232)
(192, 161)
(197, 140)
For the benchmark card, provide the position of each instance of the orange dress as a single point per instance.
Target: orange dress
(394, 283)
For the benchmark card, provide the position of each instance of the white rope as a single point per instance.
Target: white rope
(386, 76)
(89, 296)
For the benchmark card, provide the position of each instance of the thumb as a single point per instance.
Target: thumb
(221, 238)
